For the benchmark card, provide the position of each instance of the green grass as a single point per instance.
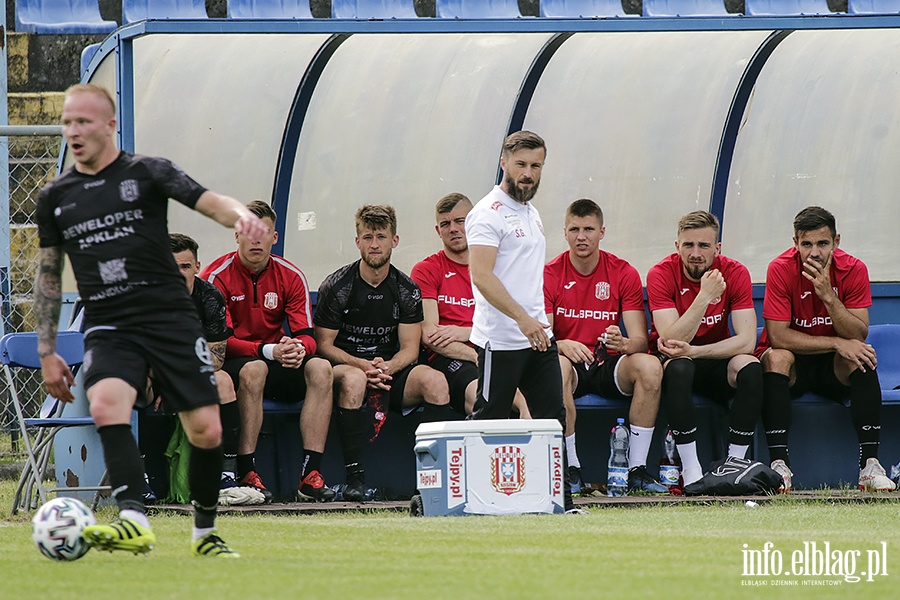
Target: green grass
(664, 551)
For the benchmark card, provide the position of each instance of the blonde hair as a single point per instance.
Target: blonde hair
(90, 88)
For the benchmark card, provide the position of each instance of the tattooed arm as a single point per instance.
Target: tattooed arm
(217, 349)
(47, 303)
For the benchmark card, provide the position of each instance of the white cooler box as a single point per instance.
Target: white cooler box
(492, 467)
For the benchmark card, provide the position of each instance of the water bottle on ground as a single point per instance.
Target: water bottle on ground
(617, 474)
(670, 464)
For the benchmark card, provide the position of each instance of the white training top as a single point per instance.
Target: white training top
(518, 234)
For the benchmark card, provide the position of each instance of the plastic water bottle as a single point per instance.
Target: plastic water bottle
(617, 474)
(670, 463)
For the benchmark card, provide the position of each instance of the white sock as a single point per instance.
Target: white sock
(738, 451)
(570, 450)
(136, 516)
(639, 445)
(197, 533)
(690, 464)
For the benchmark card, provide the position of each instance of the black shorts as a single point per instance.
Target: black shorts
(536, 374)
(282, 384)
(599, 379)
(394, 396)
(183, 373)
(459, 374)
(815, 373)
(710, 377)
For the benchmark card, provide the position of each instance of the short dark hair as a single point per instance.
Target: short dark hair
(698, 219)
(812, 218)
(449, 202)
(585, 207)
(523, 139)
(376, 216)
(179, 242)
(262, 210)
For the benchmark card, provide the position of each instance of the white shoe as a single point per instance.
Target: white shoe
(872, 478)
(780, 467)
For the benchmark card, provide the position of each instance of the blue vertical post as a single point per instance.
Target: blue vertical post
(5, 193)
(125, 93)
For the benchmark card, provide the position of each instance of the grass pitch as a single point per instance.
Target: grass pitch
(694, 551)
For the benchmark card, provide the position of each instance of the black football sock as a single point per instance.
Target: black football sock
(865, 408)
(776, 415)
(231, 425)
(204, 471)
(245, 464)
(746, 406)
(123, 466)
(312, 461)
(352, 428)
(677, 397)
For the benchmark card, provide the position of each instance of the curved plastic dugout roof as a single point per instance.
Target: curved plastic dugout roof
(217, 106)
(634, 123)
(822, 128)
(401, 120)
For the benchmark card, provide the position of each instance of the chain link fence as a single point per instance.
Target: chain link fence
(32, 155)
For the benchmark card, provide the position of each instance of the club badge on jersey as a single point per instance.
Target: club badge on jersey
(129, 190)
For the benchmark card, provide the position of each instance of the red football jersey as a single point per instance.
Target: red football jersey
(792, 297)
(449, 283)
(583, 306)
(257, 305)
(669, 287)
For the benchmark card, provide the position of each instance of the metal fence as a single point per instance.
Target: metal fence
(28, 160)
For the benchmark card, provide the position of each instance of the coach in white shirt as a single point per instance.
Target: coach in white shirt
(507, 250)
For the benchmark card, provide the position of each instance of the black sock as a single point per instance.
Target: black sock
(204, 471)
(568, 503)
(745, 408)
(776, 414)
(312, 461)
(245, 464)
(352, 428)
(865, 408)
(434, 413)
(231, 425)
(677, 397)
(123, 466)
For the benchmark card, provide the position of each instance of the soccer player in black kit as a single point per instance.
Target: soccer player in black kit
(108, 213)
(368, 323)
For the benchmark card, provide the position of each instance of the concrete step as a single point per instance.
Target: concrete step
(35, 108)
(16, 59)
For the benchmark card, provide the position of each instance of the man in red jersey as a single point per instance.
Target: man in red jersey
(817, 320)
(587, 293)
(262, 290)
(692, 293)
(448, 305)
